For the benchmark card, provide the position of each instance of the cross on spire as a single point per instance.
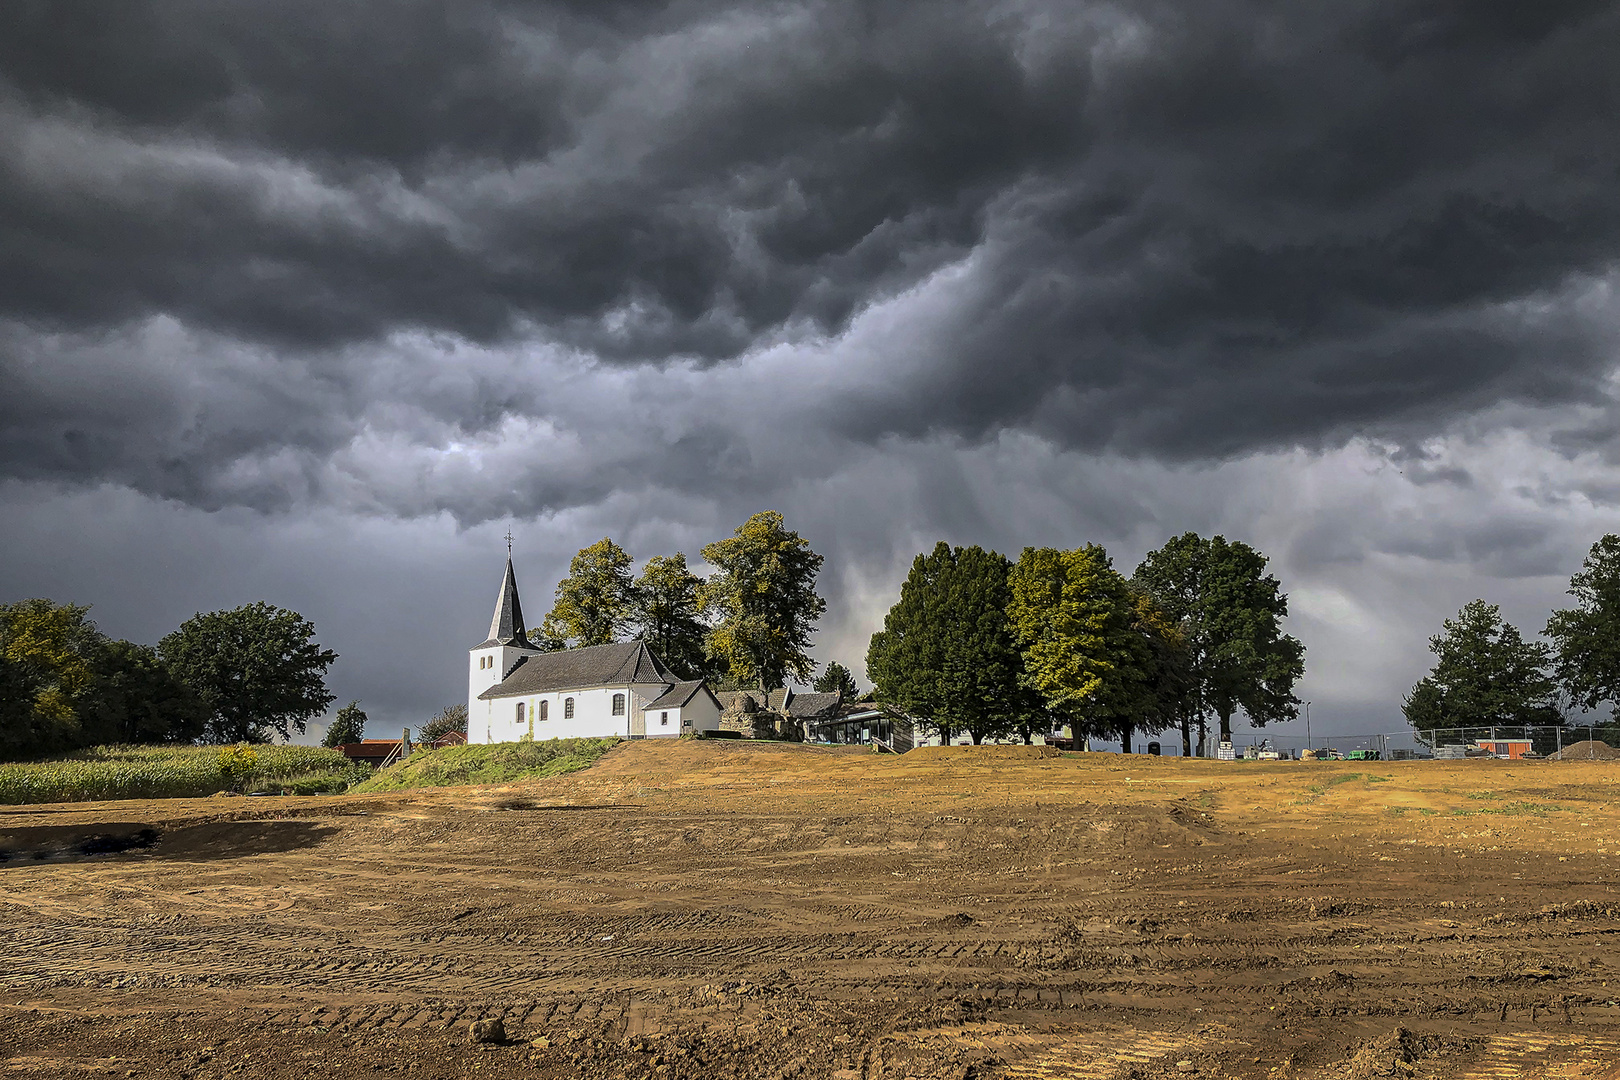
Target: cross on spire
(508, 543)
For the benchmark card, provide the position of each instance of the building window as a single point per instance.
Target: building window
(568, 708)
(520, 713)
(618, 704)
(663, 719)
(545, 711)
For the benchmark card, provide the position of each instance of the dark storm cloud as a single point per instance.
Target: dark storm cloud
(1181, 230)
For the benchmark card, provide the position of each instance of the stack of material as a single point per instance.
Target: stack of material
(1589, 750)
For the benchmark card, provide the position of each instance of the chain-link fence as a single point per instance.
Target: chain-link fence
(1573, 741)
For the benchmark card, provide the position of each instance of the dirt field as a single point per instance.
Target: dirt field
(701, 910)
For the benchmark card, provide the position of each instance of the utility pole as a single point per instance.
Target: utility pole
(1307, 724)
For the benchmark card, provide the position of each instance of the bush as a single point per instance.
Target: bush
(175, 772)
(499, 763)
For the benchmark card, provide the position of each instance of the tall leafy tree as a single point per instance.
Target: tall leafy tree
(596, 601)
(1086, 651)
(140, 700)
(348, 726)
(668, 610)
(1586, 637)
(946, 653)
(1229, 612)
(836, 679)
(257, 669)
(448, 719)
(51, 655)
(1485, 674)
(763, 600)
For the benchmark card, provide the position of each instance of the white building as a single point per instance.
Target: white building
(517, 691)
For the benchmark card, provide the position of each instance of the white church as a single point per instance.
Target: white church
(516, 691)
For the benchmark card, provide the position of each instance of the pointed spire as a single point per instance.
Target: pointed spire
(506, 627)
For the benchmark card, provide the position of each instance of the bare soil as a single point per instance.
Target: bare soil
(718, 910)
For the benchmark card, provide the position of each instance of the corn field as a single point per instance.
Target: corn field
(169, 772)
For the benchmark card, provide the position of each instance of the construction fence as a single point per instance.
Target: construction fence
(1595, 741)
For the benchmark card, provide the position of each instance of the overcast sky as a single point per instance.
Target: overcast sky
(311, 301)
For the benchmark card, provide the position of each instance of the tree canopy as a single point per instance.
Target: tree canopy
(256, 668)
(763, 600)
(49, 655)
(1087, 641)
(946, 653)
(348, 726)
(1228, 612)
(1484, 674)
(596, 601)
(667, 608)
(448, 719)
(836, 679)
(1586, 637)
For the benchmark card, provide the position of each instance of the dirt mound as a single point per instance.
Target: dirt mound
(1587, 750)
(1397, 1051)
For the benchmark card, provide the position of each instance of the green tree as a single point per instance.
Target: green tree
(51, 653)
(448, 719)
(348, 726)
(946, 653)
(668, 609)
(140, 700)
(837, 680)
(1229, 614)
(257, 669)
(763, 600)
(1086, 651)
(1484, 674)
(596, 601)
(1586, 638)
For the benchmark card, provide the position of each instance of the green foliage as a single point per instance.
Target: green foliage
(161, 772)
(1586, 638)
(49, 653)
(595, 602)
(348, 726)
(257, 669)
(139, 699)
(668, 609)
(448, 719)
(1485, 673)
(763, 596)
(498, 763)
(946, 653)
(1229, 614)
(1088, 641)
(838, 680)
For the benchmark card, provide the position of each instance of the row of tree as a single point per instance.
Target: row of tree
(749, 622)
(1486, 673)
(244, 675)
(979, 644)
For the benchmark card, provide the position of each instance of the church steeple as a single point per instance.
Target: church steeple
(506, 628)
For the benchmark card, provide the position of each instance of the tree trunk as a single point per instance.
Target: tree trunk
(978, 736)
(1226, 726)
(1126, 733)
(1186, 737)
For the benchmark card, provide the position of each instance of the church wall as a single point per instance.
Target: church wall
(593, 715)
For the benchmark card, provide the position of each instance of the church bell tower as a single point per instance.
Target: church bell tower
(492, 660)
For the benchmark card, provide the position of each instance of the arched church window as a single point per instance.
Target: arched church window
(520, 712)
(545, 711)
(618, 704)
(568, 708)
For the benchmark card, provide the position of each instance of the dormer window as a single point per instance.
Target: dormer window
(618, 704)
(568, 708)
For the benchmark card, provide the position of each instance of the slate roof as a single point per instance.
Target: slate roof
(806, 706)
(676, 696)
(620, 664)
(506, 628)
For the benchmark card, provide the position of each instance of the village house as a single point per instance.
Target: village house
(516, 691)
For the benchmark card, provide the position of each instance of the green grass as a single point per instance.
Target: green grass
(500, 763)
(176, 772)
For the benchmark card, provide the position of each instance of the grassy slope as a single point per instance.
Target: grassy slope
(159, 772)
(499, 763)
